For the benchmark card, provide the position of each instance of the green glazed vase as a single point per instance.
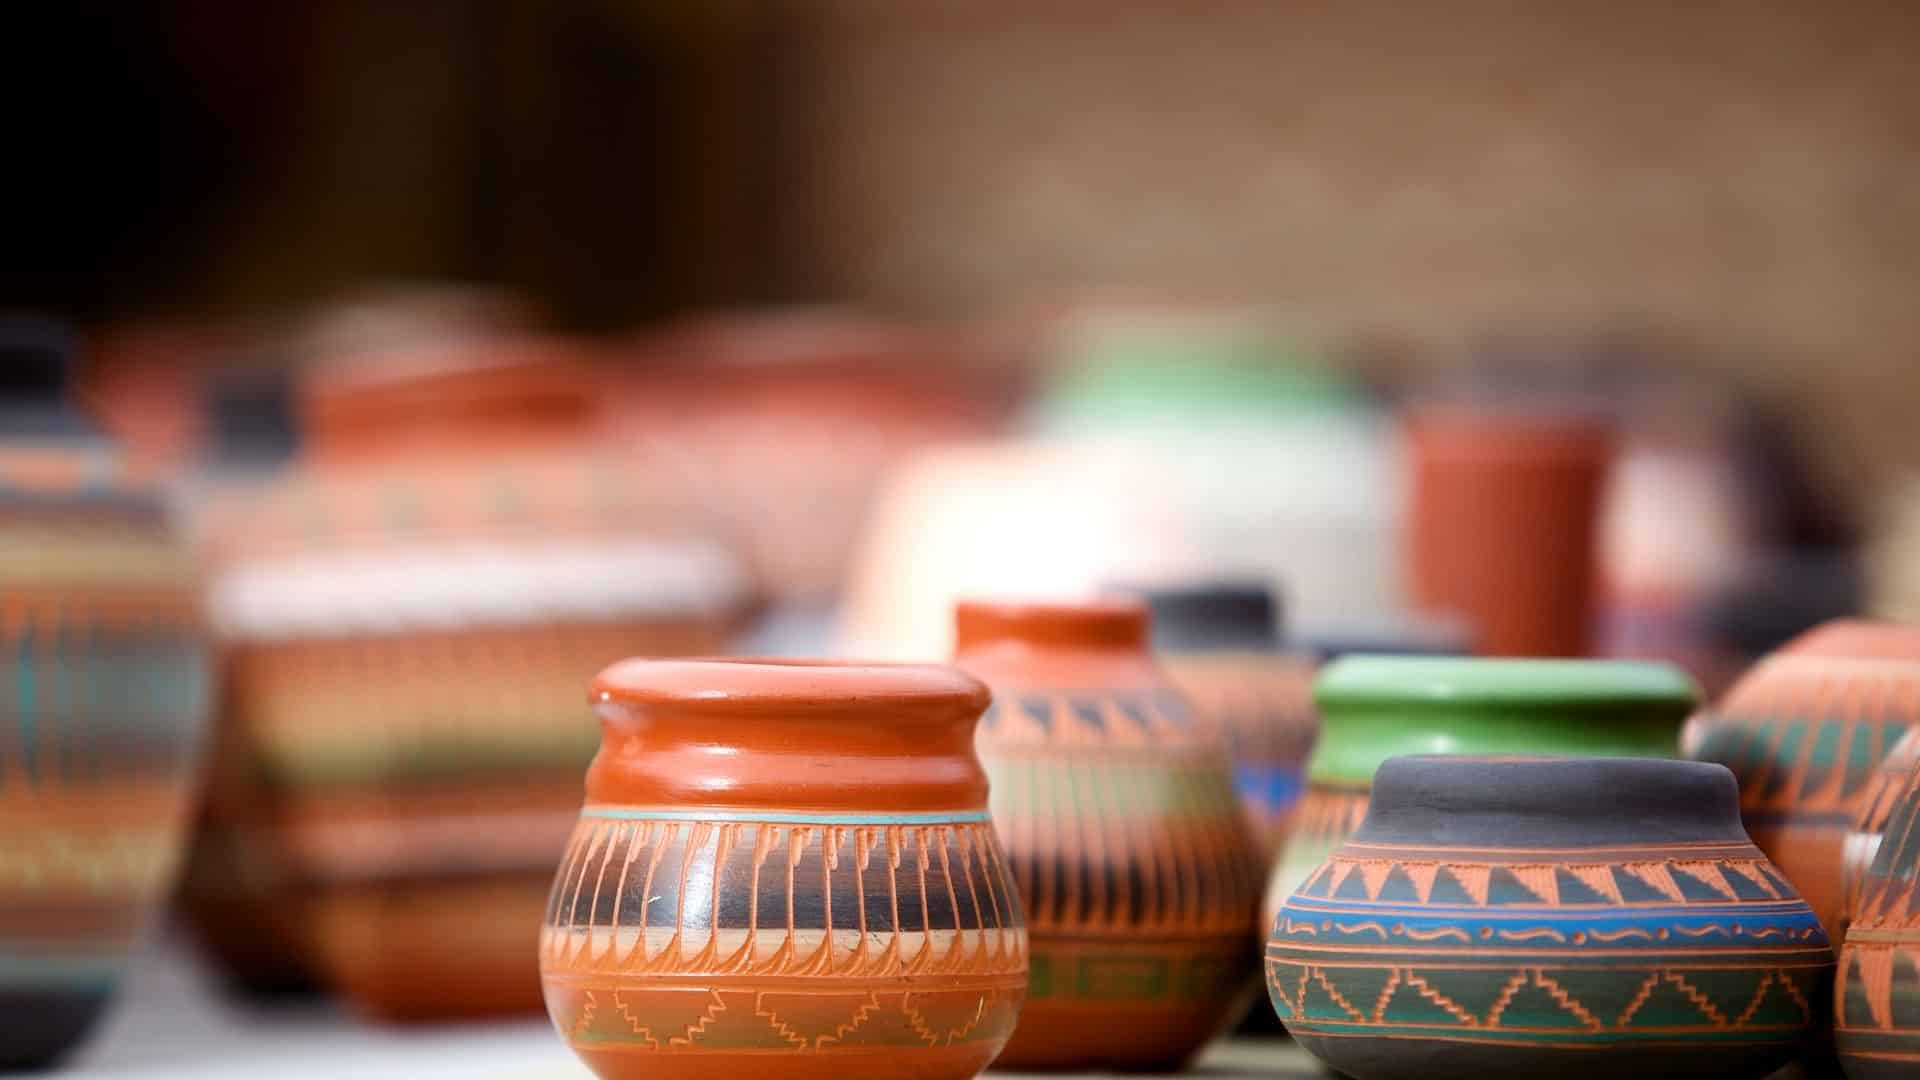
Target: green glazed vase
(1376, 707)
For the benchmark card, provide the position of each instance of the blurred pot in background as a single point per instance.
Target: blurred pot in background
(1030, 518)
(785, 421)
(408, 616)
(1504, 525)
(1273, 465)
(1220, 645)
(102, 703)
(1678, 528)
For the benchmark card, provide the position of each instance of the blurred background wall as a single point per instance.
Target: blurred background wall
(1736, 179)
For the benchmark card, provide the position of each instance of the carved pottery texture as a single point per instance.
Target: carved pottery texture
(679, 935)
(103, 700)
(1885, 788)
(1548, 949)
(1328, 814)
(1803, 735)
(1140, 880)
(1877, 1011)
(1263, 706)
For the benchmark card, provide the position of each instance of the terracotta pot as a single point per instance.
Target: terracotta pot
(787, 420)
(1877, 805)
(1221, 646)
(103, 704)
(1876, 1022)
(408, 614)
(1803, 731)
(1504, 528)
(1527, 917)
(1118, 814)
(784, 868)
(1376, 707)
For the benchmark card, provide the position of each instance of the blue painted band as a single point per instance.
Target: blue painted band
(1276, 786)
(779, 817)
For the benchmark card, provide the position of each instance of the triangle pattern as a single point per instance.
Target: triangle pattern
(1669, 1004)
(1319, 1002)
(1605, 994)
(1535, 1006)
(1363, 988)
(1656, 876)
(1416, 1002)
(1541, 881)
(1472, 879)
(1354, 886)
(1447, 889)
(1701, 881)
(1773, 1005)
(1579, 885)
(1400, 886)
(1373, 873)
(1422, 875)
(1337, 875)
(1730, 990)
(1746, 881)
(1474, 992)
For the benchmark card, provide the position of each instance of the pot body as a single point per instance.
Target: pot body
(784, 867)
(1877, 994)
(1118, 813)
(1525, 917)
(105, 700)
(1376, 707)
(1803, 730)
(408, 613)
(1262, 703)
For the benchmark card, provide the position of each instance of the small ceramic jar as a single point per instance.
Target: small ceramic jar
(1527, 917)
(1877, 994)
(784, 868)
(1803, 731)
(103, 704)
(1375, 707)
(1221, 646)
(1118, 813)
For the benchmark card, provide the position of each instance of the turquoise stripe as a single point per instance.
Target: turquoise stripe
(641, 813)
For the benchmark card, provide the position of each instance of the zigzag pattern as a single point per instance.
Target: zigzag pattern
(815, 1020)
(1651, 882)
(1534, 1000)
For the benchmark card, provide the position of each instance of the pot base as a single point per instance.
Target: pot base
(38, 1027)
(1438, 1059)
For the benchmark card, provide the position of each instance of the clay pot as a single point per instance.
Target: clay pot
(1877, 804)
(787, 420)
(103, 704)
(1221, 646)
(784, 868)
(1527, 917)
(408, 615)
(1876, 1020)
(1803, 731)
(1376, 707)
(1117, 810)
(1504, 528)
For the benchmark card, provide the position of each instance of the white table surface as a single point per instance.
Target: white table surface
(171, 1023)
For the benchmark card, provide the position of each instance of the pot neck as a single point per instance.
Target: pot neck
(788, 736)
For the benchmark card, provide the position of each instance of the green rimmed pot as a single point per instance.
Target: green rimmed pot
(1376, 707)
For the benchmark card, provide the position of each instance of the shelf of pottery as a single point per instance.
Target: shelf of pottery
(469, 768)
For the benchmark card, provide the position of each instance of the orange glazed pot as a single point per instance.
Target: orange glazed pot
(1803, 732)
(1140, 877)
(784, 868)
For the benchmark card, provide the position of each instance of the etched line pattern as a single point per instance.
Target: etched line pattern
(662, 898)
(1120, 845)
